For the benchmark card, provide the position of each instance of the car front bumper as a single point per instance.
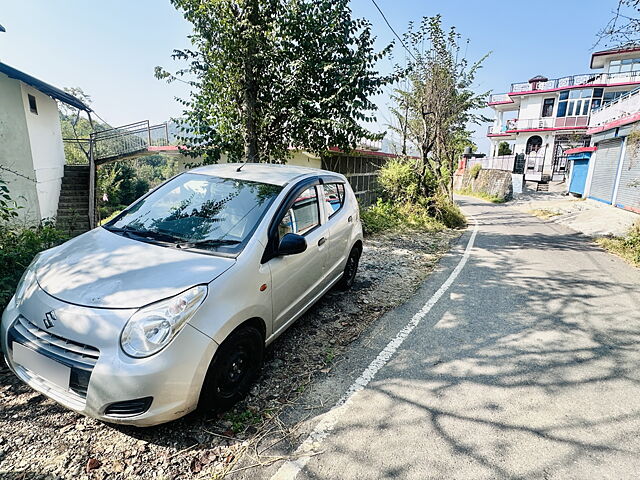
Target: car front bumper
(171, 379)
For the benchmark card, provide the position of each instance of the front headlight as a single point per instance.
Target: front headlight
(28, 282)
(151, 328)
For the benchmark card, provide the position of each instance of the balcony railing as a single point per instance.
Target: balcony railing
(625, 105)
(565, 82)
(539, 124)
(502, 162)
(499, 97)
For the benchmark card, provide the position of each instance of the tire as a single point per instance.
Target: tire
(350, 270)
(233, 370)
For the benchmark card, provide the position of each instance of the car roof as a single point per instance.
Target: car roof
(274, 174)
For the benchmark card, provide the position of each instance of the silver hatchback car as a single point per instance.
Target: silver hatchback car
(171, 304)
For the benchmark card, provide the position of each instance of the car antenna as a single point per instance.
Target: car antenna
(240, 167)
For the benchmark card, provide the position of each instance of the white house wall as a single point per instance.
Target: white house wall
(47, 149)
(15, 150)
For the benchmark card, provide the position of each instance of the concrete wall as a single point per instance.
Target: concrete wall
(15, 150)
(47, 149)
(497, 183)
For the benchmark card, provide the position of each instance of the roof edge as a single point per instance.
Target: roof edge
(44, 87)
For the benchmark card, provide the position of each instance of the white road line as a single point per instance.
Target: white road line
(290, 469)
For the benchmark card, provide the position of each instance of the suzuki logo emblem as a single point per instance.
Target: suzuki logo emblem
(49, 318)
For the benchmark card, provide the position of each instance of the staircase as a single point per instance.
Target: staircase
(73, 205)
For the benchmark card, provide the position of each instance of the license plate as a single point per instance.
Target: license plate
(42, 366)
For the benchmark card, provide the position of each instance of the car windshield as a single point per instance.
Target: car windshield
(198, 211)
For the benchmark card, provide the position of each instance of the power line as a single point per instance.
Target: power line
(394, 32)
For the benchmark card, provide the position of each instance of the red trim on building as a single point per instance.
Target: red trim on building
(165, 148)
(580, 150)
(616, 123)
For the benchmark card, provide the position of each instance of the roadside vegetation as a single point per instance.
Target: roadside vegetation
(400, 207)
(19, 243)
(482, 195)
(627, 247)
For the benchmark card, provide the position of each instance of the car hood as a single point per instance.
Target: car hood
(106, 270)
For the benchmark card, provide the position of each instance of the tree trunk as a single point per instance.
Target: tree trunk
(251, 150)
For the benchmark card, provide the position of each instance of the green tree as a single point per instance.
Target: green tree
(437, 103)
(504, 149)
(270, 74)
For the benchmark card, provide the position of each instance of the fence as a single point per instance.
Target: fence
(128, 140)
(361, 170)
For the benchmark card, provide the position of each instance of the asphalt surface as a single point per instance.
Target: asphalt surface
(527, 367)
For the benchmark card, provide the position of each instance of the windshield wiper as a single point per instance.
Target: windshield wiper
(162, 237)
(218, 242)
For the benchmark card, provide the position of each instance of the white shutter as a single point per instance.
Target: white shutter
(605, 170)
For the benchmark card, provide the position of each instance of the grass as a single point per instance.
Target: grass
(627, 247)
(434, 216)
(110, 217)
(544, 213)
(484, 196)
(241, 420)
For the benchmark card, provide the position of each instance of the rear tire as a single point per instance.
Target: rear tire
(350, 269)
(233, 370)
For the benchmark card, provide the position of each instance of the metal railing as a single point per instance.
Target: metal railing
(538, 124)
(502, 162)
(615, 101)
(128, 140)
(585, 79)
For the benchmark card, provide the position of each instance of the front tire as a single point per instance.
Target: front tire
(350, 269)
(233, 370)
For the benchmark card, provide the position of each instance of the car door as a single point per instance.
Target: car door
(340, 225)
(297, 280)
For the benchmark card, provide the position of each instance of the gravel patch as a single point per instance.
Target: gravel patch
(41, 440)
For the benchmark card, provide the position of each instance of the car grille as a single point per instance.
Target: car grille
(79, 357)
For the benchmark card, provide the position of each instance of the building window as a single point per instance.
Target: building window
(547, 107)
(625, 66)
(32, 104)
(575, 103)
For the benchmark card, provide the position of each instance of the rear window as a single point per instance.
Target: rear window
(334, 196)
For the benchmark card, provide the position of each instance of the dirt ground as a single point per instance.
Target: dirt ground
(41, 440)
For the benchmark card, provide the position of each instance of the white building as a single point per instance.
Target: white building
(542, 118)
(31, 149)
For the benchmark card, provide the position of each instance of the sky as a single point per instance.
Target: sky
(110, 49)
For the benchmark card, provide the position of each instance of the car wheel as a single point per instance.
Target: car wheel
(350, 269)
(234, 368)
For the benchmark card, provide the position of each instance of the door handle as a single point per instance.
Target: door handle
(321, 241)
(350, 219)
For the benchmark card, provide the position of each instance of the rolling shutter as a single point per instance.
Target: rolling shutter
(605, 169)
(629, 187)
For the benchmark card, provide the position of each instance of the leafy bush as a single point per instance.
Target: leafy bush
(432, 216)
(399, 180)
(475, 170)
(18, 246)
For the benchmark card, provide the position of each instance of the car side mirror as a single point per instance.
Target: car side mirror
(292, 244)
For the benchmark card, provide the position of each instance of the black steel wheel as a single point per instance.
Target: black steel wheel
(350, 269)
(234, 368)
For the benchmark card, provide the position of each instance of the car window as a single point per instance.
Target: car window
(334, 196)
(303, 215)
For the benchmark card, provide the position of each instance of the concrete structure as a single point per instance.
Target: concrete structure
(543, 118)
(31, 149)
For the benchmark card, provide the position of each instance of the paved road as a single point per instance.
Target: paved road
(527, 367)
